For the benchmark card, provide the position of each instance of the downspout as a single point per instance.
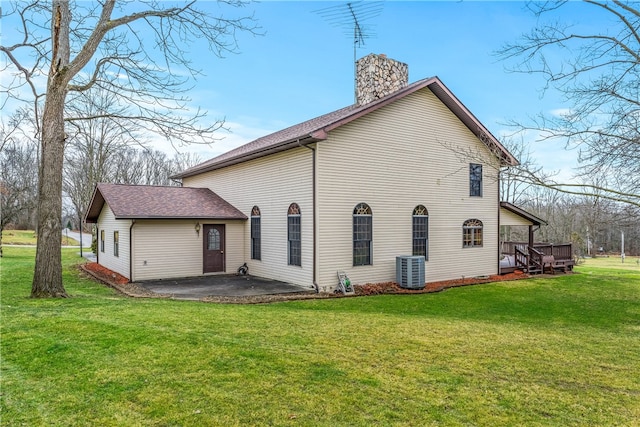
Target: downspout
(499, 212)
(314, 220)
(133, 222)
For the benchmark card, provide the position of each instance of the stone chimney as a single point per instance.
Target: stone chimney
(378, 76)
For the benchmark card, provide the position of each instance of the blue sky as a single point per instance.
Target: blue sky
(302, 66)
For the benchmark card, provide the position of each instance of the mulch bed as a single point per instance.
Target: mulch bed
(117, 281)
(394, 288)
(122, 285)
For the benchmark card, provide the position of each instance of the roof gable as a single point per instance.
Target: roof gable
(155, 202)
(316, 129)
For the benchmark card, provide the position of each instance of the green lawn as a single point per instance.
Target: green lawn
(561, 351)
(28, 237)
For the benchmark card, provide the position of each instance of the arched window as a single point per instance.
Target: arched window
(213, 239)
(421, 231)
(294, 234)
(255, 234)
(471, 233)
(362, 234)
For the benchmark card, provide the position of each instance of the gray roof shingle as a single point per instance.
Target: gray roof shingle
(155, 202)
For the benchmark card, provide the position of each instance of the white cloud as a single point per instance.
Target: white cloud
(561, 112)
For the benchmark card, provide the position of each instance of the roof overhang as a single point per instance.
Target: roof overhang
(522, 213)
(95, 207)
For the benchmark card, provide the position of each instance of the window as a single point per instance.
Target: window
(101, 240)
(472, 233)
(475, 180)
(255, 234)
(294, 235)
(362, 234)
(116, 243)
(213, 239)
(421, 231)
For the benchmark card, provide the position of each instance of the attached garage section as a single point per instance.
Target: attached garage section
(168, 232)
(165, 249)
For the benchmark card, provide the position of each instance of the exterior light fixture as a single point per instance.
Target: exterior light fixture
(198, 228)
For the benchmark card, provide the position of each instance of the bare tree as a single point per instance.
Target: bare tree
(18, 183)
(101, 46)
(92, 145)
(598, 76)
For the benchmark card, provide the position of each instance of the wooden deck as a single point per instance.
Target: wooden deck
(541, 258)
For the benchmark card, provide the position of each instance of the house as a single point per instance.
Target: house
(406, 170)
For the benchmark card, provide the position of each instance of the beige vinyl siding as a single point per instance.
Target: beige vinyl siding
(509, 218)
(108, 222)
(413, 151)
(173, 248)
(272, 183)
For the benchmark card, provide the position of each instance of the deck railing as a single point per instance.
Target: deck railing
(533, 259)
(562, 251)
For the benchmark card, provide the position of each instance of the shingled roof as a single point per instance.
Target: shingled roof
(155, 202)
(316, 129)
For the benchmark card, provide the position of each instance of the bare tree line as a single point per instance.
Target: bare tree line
(99, 150)
(593, 223)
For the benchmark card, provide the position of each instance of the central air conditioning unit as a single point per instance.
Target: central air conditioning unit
(410, 272)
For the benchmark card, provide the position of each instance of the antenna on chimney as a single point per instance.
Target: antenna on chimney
(350, 17)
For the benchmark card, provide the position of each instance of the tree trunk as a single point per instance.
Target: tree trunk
(47, 276)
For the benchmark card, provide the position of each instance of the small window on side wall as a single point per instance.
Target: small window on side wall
(475, 180)
(472, 233)
(116, 243)
(101, 240)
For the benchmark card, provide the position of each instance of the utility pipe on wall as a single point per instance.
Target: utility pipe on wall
(313, 202)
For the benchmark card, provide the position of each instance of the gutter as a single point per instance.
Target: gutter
(133, 222)
(314, 220)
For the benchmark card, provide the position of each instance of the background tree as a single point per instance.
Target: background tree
(598, 76)
(100, 46)
(18, 183)
(95, 137)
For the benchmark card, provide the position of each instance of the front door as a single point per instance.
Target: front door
(213, 254)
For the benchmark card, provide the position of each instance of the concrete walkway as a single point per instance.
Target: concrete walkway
(194, 288)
